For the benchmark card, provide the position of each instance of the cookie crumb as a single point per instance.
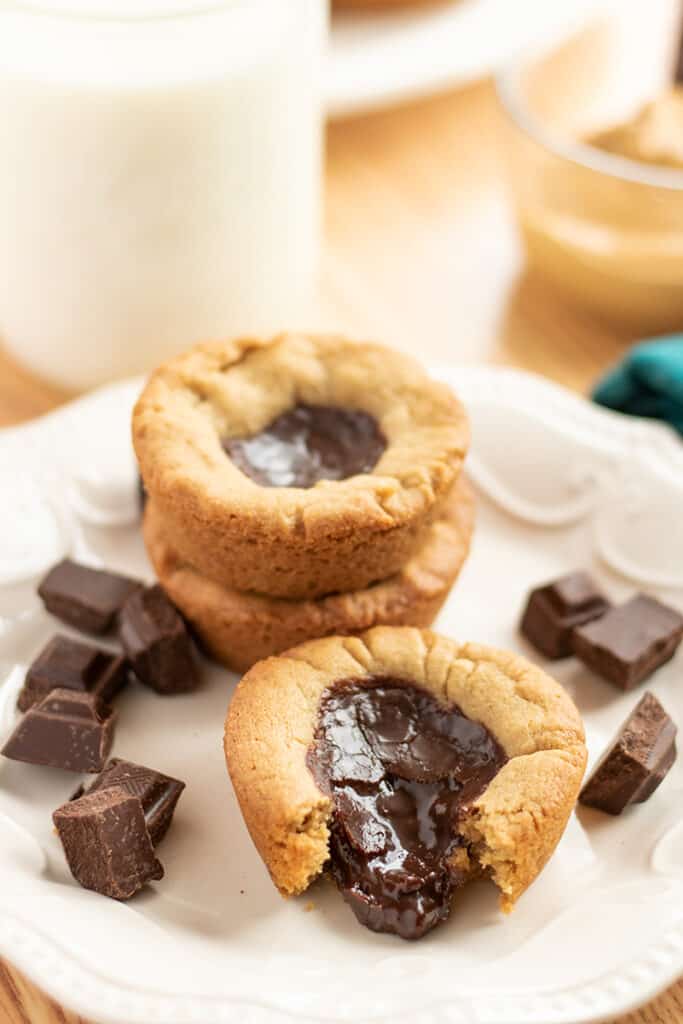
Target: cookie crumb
(309, 907)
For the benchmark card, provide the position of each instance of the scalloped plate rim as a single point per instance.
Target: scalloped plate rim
(66, 986)
(616, 992)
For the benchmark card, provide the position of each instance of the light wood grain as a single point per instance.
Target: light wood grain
(420, 252)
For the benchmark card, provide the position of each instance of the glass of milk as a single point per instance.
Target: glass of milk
(160, 177)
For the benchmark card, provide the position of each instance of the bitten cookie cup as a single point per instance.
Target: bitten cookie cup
(509, 832)
(294, 542)
(239, 629)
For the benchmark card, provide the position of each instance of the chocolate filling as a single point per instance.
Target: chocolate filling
(400, 768)
(309, 443)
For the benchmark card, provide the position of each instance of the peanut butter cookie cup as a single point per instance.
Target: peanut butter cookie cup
(404, 764)
(239, 628)
(300, 466)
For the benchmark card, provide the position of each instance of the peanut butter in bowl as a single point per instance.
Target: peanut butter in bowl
(602, 217)
(654, 136)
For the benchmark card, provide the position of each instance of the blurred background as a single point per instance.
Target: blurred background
(429, 169)
(416, 174)
(423, 245)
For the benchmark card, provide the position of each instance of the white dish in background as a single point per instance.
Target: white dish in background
(599, 932)
(380, 59)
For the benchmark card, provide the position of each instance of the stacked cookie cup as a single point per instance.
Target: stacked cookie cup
(301, 487)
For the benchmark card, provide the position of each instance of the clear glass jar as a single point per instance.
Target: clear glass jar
(605, 232)
(160, 176)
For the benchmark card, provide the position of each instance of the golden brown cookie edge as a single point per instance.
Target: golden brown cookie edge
(239, 629)
(291, 542)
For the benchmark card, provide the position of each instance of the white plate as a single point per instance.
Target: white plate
(602, 928)
(380, 59)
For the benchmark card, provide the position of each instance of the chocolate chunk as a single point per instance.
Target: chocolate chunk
(142, 494)
(158, 794)
(157, 642)
(68, 729)
(107, 843)
(346, 755)
(628, 643)
(635, 762)
(678, 66)
(307, 444)
(88, 599)
(70, 664)
(399, 767)
(357, 819)
(110, 830)
(552, 612)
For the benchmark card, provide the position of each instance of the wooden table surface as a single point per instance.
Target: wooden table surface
(421, 253)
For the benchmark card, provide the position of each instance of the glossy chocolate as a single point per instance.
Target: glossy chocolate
(400, 768)
(307, 444)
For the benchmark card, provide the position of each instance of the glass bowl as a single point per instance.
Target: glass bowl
(605, 232)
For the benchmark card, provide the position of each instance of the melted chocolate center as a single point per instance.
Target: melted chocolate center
(309, 443)
(399, 767)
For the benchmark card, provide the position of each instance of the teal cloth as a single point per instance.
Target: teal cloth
(649, 382)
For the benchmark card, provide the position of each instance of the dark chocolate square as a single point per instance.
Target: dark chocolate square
(630, 641)
(552, 611)
(636, 761)
(142, 494)
(87, 599)
(68, 729)
(157, 642)
(678, 66)
(73, 665)
(158, 793)
(107, 844)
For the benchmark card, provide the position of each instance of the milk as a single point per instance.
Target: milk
(160, 174)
